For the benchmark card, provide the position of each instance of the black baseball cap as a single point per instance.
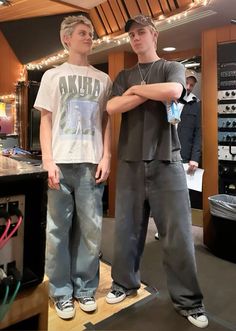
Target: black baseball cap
(140, 19)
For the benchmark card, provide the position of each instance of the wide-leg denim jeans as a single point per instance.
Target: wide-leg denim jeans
(161, 187)
(74, 222)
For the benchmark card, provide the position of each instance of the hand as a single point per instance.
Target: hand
(192, 166)
(53, 174)
(103, 170)
(133, 91)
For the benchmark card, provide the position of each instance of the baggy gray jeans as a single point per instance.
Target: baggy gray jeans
(161, 187)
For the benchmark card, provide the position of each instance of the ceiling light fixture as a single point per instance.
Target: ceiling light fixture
(169, 49)
(192, 65)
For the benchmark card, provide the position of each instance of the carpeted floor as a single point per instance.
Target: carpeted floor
(217, 278)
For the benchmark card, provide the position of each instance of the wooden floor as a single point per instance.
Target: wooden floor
(103, 311)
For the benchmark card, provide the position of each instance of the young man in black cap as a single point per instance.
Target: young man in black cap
(151, 176)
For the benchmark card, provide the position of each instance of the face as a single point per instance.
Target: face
(81, 39)
(142, 38)
(190, 83)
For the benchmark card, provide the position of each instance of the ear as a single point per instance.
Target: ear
(66, 40)
(156, 34)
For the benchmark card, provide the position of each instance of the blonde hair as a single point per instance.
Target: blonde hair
(151, 28)
(68, 25)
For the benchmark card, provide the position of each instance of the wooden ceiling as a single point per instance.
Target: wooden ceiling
(108, 18)
(20, 9)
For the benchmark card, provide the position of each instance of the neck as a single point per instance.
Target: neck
(147, 58)
(78, 59)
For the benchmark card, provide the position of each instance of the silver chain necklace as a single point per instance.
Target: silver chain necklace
(144, 79)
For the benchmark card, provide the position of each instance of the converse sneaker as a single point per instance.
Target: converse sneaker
(157, 236)
(116, 296)
(87, 304)
(65, 308)
(199, 319)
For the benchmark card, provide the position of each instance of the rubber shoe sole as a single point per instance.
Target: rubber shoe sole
(88, 307)
(116, 296)
(112, 298)
(157, 236)
(65, 314)
(200, 321)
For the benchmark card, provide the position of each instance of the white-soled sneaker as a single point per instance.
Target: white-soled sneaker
(65, 309)
(87, 304)
(157, 236)
(199, 319)
(115, 296)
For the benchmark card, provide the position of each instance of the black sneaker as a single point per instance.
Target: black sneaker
(87, 304)
(65, 309)
(157, 236)
(116, 296)
(199, 319)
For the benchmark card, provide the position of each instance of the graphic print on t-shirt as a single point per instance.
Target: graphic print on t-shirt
(80, 117)
(79, 106)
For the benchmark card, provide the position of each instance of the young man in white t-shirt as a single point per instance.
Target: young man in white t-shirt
(75, 138)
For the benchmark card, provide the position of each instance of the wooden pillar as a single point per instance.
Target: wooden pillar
(210, 39)
(209, 127)
(116, 62)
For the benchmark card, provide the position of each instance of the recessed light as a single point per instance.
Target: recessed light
(193, 64)
(169, 49)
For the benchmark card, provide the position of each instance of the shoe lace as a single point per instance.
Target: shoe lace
(88, 299)
(66, 304)
(116, 292)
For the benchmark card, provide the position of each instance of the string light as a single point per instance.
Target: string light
(7, 97)
(179, 16)
(106, 41)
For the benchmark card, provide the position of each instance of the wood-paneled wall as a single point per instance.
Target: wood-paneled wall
(10, 68)
(210, 39)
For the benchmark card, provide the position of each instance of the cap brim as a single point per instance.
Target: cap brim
(191, 76)
(128, 24)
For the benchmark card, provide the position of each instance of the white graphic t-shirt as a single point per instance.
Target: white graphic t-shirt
(77, 97)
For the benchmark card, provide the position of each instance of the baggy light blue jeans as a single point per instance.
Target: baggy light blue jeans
(161, 187)
(74, 222)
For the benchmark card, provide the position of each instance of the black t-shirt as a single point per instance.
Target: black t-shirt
(145, 133)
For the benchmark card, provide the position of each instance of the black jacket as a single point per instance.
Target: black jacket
(189, 131)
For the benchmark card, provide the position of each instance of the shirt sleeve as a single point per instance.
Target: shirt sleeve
(44, 96)
(119, 85)
(176, 73)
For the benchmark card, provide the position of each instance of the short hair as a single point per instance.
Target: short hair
(69, 23)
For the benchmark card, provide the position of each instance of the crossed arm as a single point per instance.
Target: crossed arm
(138, 94)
